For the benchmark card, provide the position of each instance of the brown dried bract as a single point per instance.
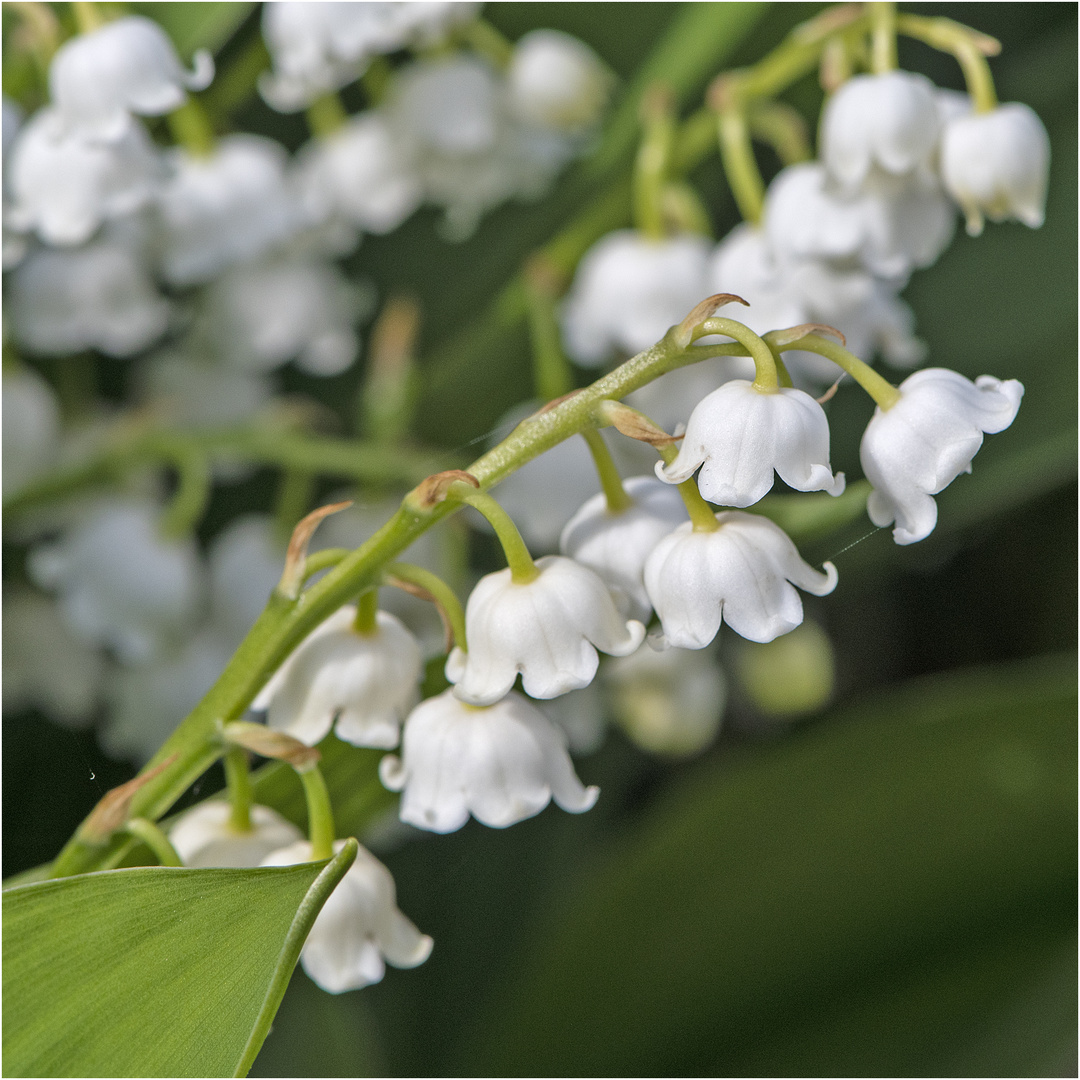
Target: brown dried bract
(422, 594)
(636, 425)
(266, 742)
(292, 577)
(433, 489)
(780, 338)
(705, 310)
(114, 806)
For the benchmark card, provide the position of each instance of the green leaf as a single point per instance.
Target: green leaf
(154, 971)
(197, 26)
(868, 897)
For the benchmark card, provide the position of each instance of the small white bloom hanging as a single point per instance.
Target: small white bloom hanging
(669, 701)
(367, 682)
(205, 836)
(358, 927)
(129, 66)
(628, 290)
(744, 573)
(739, 435)
(64, 185)
(616, 545)
(95, 297)
(556, 81)
(889, 122)
(502, 764)
(228, 207)
(997, 164)
(918, 446)
(120, 582)
(548, 629)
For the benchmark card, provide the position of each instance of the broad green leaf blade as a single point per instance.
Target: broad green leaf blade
(153, 971)
(905, 870)
(197, 26)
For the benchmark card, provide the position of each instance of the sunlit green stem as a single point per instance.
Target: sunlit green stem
(238, 781)
(782, 373)
(610, 480)
(325, 115)
(552, 375)
(88, 16)
(740, 165)
(652, 164)
(155, 840)
(322, 560)
(701, 513)
(968, 46)
(765, 380)
(486, 40)
(192, 493)
(783, 128)
(191, 128)
(522, 568)
(882, 37)
(320, 813)
(293, 499)
(881, 390)
(443, 595)
(367, 609)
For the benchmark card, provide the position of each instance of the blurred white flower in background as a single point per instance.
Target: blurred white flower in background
(205, 836)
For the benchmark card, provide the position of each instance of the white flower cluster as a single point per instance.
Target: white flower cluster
(839, 237)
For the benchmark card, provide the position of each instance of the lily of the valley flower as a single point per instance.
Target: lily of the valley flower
(548, 629)
(739, 435)
(502, 764)
(916, 448)
(359, 926)
(616, 545)
(206, 836)
(997, 163)
(128, 66)
(888, 122)
(368, 682)
(744, 573)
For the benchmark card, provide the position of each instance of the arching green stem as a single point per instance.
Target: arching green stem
(326, 115)
(191, 128)
(238, 781)
(610, 480)
(154, 839)
(701, 513)
(487, 41)
(653, 161)
(324, 559)
(765, 379)
(522, 568)
(782, 373)
(968, 46)
(552, 376)
(192, 492)
(740, 165)
(320, 813)
(367, 608)
(88, 16)
(441, 593)
(881, 390)
(882, 36)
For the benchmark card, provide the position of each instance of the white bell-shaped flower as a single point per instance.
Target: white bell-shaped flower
(261, 315)
(95, 297)
(669, 701)
(739, 435)
(358, 927)
(229, 207)
(923, 442)
(320, 47)
(129, 66)
(744, 573)
(616, 545)
(120, 582)
(31, 427)
(362, 176)
(548, 629)
(367, 682)
(502, 764)
(888, 122)
(887, 228)
(628, 290)
(997, 164)
(63, 185)
(556, 81)
(146, 703)
(45, 666)
(204, 836)
(193, 389)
